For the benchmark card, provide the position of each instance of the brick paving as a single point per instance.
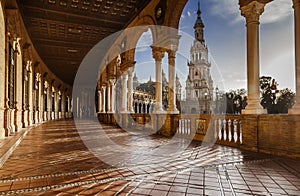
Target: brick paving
(52, 160)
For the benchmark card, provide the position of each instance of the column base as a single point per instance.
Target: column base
(25, 118)
(30, 118)
(295, 109)
(158, 110)
(124, 112)
(2, 129)
(18, 120)
(254, 107)
(254, 111)
(173, 111)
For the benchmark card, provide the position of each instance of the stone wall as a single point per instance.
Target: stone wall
(279, 134)
(271, 134)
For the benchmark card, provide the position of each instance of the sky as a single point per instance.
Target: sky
(225, 37)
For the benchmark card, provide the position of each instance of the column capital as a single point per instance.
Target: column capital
(29, 65)
(158, 53)
(129, 71)
(103, 88)
(171, 54)
(296, 3)
(252, 11)
(112, 81)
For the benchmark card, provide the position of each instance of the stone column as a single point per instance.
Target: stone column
(2, 74)
(130, 90)
(112, 102)
(99, 101)
(251, 12)
(158, 55)
(40, 114)
(30, 92)
(68, 109)
(296, 6)
(63, 105)
(108, 98)
(77, 107)
(49, 102)
(123, 94)
(171, 92)
(103, 99)
(19, 85)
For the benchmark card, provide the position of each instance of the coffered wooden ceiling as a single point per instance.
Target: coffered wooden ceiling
(63, 31)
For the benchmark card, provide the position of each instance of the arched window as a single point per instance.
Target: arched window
(193, 110)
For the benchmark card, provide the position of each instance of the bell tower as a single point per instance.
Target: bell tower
(199, 26)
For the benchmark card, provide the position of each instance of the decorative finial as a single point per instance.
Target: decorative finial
(198, 12)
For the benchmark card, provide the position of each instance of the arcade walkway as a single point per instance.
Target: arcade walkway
(52, 160)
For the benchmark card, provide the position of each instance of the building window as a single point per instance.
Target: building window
(11, 77)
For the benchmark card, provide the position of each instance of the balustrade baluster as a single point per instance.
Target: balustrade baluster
(241, 133)
(229, 130)
(224, 130)
(220, 129)
(235, 136)
(216, 129)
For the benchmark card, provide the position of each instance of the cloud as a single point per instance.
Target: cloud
(144, 42)
(189, 13)
(276, 11)
(230, 10)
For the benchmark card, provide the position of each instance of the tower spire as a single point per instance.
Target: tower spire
(199, 26)
(198, 12)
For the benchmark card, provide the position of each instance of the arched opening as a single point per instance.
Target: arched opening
(193, 110)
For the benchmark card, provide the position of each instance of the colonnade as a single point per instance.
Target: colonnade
(107, 102)
(27, 85)
(29, 97)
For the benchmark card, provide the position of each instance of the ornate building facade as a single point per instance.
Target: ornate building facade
(199, 84)
(144, 94)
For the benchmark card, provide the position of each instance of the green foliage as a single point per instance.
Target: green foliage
(274, 100)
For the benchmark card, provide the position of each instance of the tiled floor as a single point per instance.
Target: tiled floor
(53, 160)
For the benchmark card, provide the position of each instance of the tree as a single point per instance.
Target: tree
(233, 102)
(274, 100)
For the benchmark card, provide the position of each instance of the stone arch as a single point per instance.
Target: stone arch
(174, 12)
(148, 22)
